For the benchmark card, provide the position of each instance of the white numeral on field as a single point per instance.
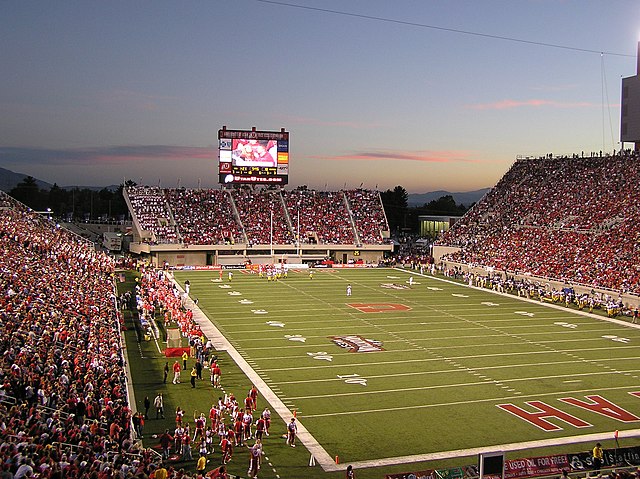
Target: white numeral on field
(525, 313)
(616, 338)
(275, 324)
(353, 379)
(295, 337)
(321, 355)
(566, 325)
(489, 303)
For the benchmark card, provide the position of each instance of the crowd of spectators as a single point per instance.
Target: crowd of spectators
(570, 218)
(245, 214)
(64, 409)
(151, 209)
(262, 215)
(205, 216)
(323, 215)
(368, 215)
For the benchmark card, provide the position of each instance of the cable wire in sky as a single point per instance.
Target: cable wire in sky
(445, 29)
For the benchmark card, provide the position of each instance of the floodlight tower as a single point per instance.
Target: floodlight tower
(630, 107)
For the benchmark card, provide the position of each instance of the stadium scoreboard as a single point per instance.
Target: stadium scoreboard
(253, 157)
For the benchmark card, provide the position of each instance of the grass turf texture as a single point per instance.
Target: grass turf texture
(447, 362)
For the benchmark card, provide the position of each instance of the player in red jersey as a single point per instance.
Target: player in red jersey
(238, 428)
(201, 422)
(226, 448)
(254, 398)
(214, 416)
(260, 427)
(248, 402)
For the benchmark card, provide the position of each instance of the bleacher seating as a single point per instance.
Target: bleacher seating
(570, 218)
(64, 408)
(151, 209)
(262, 214)
(205, 216)
(210, 217)
(368, 215)
(323, 216)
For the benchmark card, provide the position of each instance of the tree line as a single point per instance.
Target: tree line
(73, 204)
(403, 218)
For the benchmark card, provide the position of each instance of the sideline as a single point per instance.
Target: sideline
(322, 457)
(510, 447)
(524, 299)
(221, 343)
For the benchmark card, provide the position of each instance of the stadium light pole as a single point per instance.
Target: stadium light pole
(271, 235)
(298, 238)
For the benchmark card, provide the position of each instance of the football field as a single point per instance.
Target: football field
(399, 372)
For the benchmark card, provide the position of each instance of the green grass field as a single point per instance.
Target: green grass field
(444, 358)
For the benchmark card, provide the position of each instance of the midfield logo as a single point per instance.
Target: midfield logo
(357, 344)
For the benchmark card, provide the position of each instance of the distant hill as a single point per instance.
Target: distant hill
(94, 188)
(466, 198)
(9, 180)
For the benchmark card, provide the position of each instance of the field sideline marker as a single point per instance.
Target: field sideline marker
(328, 464)
(209, 329)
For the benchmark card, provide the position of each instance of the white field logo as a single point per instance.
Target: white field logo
(393, 286)
(357, 344)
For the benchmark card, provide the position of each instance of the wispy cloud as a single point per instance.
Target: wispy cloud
(103, 155)
(533, 103)
(445, 156)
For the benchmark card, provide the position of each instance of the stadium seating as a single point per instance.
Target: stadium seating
(205, 216)
(570, 218)
(64, 408)
(151, 210)
(323, 216)
(368, 215)
(258, 216)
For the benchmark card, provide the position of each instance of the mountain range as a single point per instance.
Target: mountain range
(10, 179)
(466, 198)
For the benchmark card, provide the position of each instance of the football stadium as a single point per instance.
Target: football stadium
(255, 330)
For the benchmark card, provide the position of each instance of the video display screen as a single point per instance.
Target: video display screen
(253, 157)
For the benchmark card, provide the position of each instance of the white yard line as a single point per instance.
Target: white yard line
(321, 456)
(561, 441)
(529, 300)
(459, 403)
(327, 463)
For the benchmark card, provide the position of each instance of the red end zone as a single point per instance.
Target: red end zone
(379, 307)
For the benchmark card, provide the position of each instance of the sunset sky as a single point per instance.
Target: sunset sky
(425, 94)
